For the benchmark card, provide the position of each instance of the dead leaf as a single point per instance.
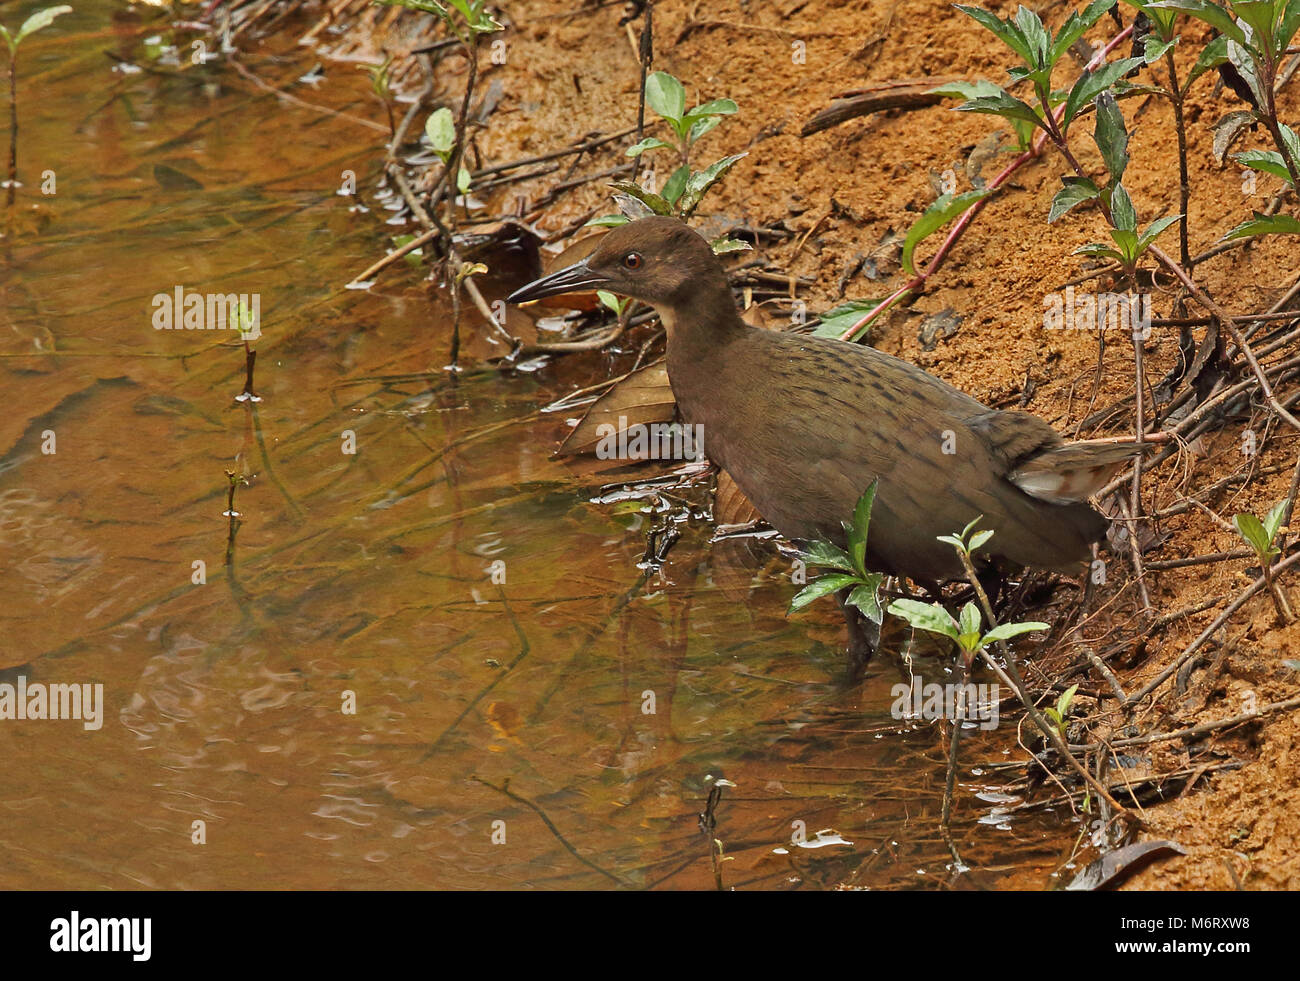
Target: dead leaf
(643, 397)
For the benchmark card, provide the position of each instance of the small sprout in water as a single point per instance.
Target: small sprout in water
(851, 564)
(1057, 713)
(965, 630)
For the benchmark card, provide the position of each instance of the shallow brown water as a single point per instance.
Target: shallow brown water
(368, 573)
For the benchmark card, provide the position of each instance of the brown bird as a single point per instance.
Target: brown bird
(804, 424)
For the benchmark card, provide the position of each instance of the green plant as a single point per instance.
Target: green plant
(38, 21)
(1261, 536)
(851, 569)
(468, 21)
(615, 303)
(440, 130)
(1057, 714)
(964, 630)
(1257, 35)
(1040, 51)
(685, 188)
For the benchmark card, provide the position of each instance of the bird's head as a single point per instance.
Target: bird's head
(660, 261)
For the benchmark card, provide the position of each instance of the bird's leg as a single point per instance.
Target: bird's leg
(863, 634)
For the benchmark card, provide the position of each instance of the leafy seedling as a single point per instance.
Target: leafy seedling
(1057, 713)
(1039, 51)
(965, 630)
(1255, 38)
(1261, 536)
(852, 572)
(685, 188)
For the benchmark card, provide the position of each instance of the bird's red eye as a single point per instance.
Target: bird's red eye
(632, 260)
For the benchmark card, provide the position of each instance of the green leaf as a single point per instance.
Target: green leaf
(944, 210)
(1092, 84)
(1076, 191)
(653, 201)
(610, 300)
(866, 598)
(969, 620)
(1258, 15)
(1263, 224)
(9, 41)
(1127, 240)
(718, 107)
(1096, 250)
(1076, 25)
(1252, 532)
(860, 526)
(607, 221)
(649, 143)
(1244, 61)
(1005, 631)
(979, 538)
(1288, 24)
(1214, 54)
(1209, 12)
(462, 180)
(725, 245)
(1273, 520)
(665, 95)
(1036, 36)
(1007, 32)
(818, 588)
(39, 21)
(698, 184)
(1292, 143)
(1004, 105)
(930, 617)
(1153, 231)
(836, 321)
(701, 127)
(1111, 136)
(1154, 48)
(1063, 703)
(440, 128)
(1122, 215)
(824, 555)
(968, 90)
(676, 184)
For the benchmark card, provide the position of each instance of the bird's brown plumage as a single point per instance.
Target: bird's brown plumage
(804, 424)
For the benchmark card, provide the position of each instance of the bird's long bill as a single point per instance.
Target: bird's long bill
(570, 279)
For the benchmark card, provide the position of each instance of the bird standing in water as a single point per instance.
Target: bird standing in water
(804, 424)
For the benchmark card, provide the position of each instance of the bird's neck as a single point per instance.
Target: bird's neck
(700, 330)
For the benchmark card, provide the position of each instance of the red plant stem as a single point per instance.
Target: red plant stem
(962, 223)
